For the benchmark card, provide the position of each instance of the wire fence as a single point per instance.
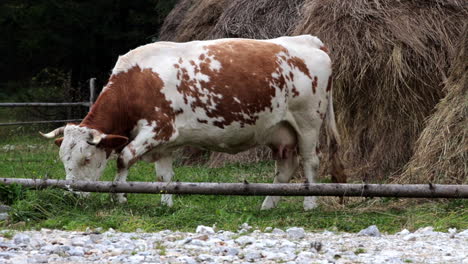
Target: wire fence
(92, 89)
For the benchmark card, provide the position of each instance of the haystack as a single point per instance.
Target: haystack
(257, 19)
(192, 20)
(441, 152)
(390, 60)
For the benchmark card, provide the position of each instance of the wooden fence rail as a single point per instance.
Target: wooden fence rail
(247, 189)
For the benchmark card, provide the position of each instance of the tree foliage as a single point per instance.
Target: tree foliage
(79, 38)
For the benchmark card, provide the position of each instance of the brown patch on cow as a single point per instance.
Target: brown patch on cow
(108, 152)
(202, 121)
(294, 91)
(132, 149)
(296, 62)
(325, 49)
(252, 84)
(132, 96)
(201, 57)
(329, 84)
(314, 84)
(317, 150)
(320, 102)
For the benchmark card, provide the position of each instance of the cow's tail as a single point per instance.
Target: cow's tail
(333, 140)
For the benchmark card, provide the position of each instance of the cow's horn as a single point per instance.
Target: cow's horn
(96, 138)
(55, 133)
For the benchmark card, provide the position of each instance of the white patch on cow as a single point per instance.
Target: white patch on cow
(215, 65)
(236, 99)
(157, 109)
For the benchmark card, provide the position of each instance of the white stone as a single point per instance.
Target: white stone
(370, 231)
(410, 237)
(201, 229)
(245, 240)
(21, 239)
(277, 231)
(403, 232)
(295, 232)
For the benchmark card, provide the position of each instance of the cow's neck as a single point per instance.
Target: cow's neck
(109, 113)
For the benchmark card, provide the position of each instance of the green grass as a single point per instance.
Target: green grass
(35, 157)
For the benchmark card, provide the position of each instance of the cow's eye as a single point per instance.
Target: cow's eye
(86, 161)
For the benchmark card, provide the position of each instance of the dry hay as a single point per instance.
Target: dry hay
(257, 19)
(441, 152)
(192, 20)
(169, 29)
(390, 59)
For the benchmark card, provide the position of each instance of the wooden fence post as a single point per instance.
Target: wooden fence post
(92, 89)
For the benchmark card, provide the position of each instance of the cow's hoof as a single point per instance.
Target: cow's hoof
(310, 202)
(166, 200)
(119, 198)
(270, 202)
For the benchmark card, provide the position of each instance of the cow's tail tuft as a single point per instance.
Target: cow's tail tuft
(333, 140)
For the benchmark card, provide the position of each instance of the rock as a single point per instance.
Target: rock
(403, 232)
(295, 232)
(205, 257)
(78, 251)
(4, 208)
(372, 231)
(136, 259)
(21, 239)
(40, 259)
(245, 240)
(410, 237)
(317, 245)
(187, 260)
(305, 257)
(201, 229)
(252, 256)
(429, 230)
(463, 233)
(277, 231)
(268, 229)
(3, 216)
(6, 255)
(231, 251)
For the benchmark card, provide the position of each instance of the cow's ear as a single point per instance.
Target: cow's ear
(113, 141)
(58, 142)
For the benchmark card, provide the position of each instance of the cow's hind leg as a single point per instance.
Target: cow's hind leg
(285, 169)
(310, 162)
(164, 172)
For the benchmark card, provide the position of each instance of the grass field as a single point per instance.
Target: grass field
(34, 157)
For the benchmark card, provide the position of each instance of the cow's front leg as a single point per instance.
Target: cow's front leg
(128, 156)
(164, 172)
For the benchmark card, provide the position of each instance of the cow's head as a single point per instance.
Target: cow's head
(84, 151)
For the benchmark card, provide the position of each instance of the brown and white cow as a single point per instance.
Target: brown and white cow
(225, 95)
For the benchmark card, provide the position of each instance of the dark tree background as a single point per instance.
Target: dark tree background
(50, 48)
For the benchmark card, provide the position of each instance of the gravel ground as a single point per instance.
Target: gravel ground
(244, 246)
